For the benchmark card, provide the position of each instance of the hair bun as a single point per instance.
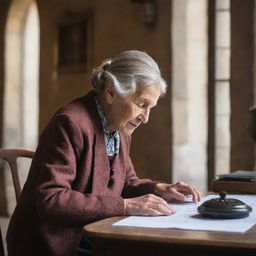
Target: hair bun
(106, 63)
(99, 75)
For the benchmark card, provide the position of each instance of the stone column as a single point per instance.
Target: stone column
(189, 91)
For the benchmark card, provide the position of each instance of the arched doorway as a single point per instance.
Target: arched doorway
(20, 125)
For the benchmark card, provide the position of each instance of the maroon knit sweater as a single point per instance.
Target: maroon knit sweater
(68, 183)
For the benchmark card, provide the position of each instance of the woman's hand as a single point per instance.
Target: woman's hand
(147, 205)
(178, 191)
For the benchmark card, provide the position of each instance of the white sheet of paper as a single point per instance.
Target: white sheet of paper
(187, 217)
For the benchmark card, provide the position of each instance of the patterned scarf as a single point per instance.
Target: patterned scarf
(112, 139)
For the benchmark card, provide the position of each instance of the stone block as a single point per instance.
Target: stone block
(180, 122)
(222, 4)
(222, 133)
(222, 29)
(222, 160)
(222, 68)
(222, 96)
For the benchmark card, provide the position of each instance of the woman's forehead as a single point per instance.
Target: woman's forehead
(150, 93)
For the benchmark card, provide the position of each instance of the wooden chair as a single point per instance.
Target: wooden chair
(11, 155)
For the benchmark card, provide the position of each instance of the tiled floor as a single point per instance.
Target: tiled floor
(4, 221)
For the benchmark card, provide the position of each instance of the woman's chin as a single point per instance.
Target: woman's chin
(127, 131)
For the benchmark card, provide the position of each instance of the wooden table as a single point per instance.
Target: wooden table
(123, 241)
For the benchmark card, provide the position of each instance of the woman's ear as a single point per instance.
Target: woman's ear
(109, 92)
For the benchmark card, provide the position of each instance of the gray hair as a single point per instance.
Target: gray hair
(127, 72)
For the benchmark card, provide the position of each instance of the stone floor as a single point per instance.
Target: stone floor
(4, 224)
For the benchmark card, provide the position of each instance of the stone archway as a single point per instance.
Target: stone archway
(20, 121)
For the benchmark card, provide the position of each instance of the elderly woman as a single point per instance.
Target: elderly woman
(82, 171)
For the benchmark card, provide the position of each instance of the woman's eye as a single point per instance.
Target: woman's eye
(141, 105)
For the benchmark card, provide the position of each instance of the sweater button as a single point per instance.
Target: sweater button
(112, 171)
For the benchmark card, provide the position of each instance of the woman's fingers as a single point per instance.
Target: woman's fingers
(147, 205)
(175, 194)
(178, 191)
(188, 190)
(159, 209)
(198, 195)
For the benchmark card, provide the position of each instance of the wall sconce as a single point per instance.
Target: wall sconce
(148, 11)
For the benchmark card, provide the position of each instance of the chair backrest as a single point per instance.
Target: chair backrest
(11, 155)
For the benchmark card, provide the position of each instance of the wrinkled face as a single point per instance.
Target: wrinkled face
(127, 113)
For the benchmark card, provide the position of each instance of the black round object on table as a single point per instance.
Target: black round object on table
(224, 208)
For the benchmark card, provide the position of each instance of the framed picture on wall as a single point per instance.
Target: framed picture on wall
(74, 43)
